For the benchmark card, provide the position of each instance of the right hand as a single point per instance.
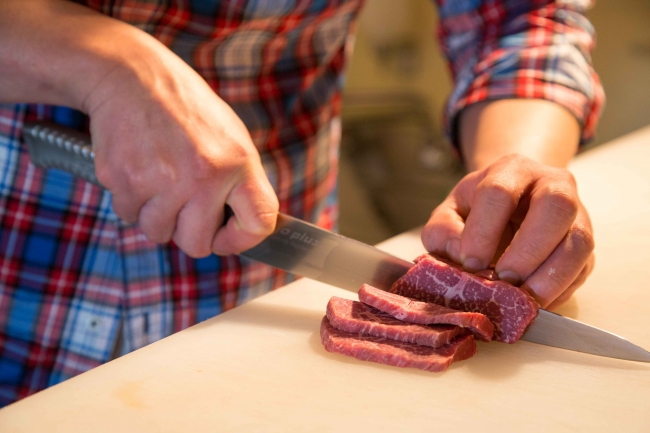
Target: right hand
(173, 154)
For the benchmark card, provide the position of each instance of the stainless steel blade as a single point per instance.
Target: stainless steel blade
(309, 251)
(555, 330)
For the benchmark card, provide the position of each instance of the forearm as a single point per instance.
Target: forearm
(535, 128)
(57, 52)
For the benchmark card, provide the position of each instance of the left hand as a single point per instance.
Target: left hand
(523, 217)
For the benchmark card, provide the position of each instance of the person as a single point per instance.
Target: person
(196, 104)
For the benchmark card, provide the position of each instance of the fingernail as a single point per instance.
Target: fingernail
(472, 265)
(452, 249)
(510, 277)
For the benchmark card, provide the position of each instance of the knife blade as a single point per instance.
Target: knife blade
(309, 251)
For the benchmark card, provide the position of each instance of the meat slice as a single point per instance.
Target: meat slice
(509, 308)
(357, 318)
(424, 313)
(396, 353)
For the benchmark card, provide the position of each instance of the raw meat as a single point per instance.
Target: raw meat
(396, 353)
(509, 308)
(358, 318)
(424, 313)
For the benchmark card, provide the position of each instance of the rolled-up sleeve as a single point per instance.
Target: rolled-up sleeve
(541, 49)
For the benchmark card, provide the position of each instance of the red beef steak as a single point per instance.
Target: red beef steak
(424, 313)
(509, 308)
(395, 353)
(357, 318)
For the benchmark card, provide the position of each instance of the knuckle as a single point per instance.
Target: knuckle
(581, 240)
(562, 202)
(194, 248)
(515, 158)
(498, 193)
(567, 177)
(529, 254)
(265, 223)
(204, 167)
(197, 251)
(154, 229)
(135, 181)
(266, 210)
(482, 239)
(106, 177)
(514, 161)
(557, 282)
(152, 233)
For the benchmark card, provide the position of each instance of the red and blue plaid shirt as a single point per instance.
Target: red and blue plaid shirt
(73, 277)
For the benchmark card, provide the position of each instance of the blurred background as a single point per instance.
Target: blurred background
(396, 164)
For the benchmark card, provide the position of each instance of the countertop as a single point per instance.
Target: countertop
(261, 366)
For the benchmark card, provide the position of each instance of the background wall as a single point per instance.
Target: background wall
(622, 59)
(396, 165)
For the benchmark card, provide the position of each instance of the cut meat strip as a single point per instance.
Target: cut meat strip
(509, 308)
(424, 313)
(357, 318)
(396, 353)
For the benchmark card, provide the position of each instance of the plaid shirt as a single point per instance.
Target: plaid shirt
(73, 277)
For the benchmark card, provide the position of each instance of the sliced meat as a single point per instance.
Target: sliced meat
(509, 308)
(425, 313)
(396, 353)
(357, 318)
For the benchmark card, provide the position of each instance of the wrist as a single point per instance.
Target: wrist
(62, 53)
(538, 129)
(130, 64)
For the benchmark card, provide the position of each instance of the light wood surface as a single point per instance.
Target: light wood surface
(261, 367)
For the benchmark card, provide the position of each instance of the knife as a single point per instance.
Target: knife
(310, 251)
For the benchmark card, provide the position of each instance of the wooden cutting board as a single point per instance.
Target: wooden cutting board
(261, 367)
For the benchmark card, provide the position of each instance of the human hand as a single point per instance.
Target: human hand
(523, 217)
(173, 154)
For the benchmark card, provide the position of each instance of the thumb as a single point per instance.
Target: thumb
(254, 214)
(442, 233)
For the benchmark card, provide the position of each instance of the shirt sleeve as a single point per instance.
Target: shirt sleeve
(500, 49)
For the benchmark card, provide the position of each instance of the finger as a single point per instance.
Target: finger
(553, 208)
(127, 206)
(441, 234)
(255, 208)
(157, 217)
(197, 224)
(579, 281)
(127, 199)
(563, 266)
(495, 200)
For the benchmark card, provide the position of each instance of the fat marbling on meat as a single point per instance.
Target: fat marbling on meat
(396, 353)
(358, 318)
(425, 313)
(509, 308)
